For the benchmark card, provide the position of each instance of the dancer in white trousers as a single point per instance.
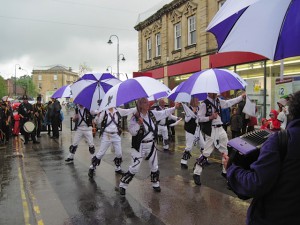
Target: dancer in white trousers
(110, 130)
(163, 125)
(143, 128)
(84, 130)
(214, 134)
(193, 135)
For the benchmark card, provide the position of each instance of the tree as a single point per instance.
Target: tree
(26, 83)
(83, 68)
(3, 89)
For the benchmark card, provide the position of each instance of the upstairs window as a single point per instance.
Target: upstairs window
(149, 48)
(191, 30)
(177, 35)
(158, 44)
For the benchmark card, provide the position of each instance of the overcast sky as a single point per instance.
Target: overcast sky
(38, 33)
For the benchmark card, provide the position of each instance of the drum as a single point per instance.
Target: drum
(28, 127)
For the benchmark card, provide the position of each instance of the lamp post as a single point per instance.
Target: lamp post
(27, 82)
(107, 69)
(118, 55)
(16, 77)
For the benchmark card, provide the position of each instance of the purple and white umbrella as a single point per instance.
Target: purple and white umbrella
(212, 81)
(265, 27)
(132, 89)
(62, 92)
(90, 89)
(176, 95)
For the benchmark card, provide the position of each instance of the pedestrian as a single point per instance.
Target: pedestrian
(143, 128)
(283, 113)
(163, 125)
(264, 124)
(55, 108)
(193, 134)
(245, 117)
(273, 179)
(214, 134)
(110, 131)
(252, 123)
(6, 120)
(236, 123)
(225, 116)
(273, 122)
(26, 114)
(39, 115)
(47, 120)
(84, 129)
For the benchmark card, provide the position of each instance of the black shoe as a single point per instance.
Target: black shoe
(224, 175)
(36, 142)
(157, 189)
(39, 136)
(69, 160)
(197, 179)
(166, 149)
(26, 142)
(184, 166)
(122, 191)
(121, 172)
(91, 172)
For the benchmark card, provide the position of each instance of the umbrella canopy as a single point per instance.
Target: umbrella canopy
(176, 95)
(62, 92)
(91, 88)
(132, 89)
(264, 27)
(158, 96)
(212, 81)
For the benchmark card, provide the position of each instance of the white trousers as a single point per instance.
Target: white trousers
(219, 140)
(106, 141)
(163, 131)
(138, 157)
(82, 132)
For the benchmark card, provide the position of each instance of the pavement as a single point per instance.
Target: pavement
(40, 188)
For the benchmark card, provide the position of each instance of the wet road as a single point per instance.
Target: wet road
(38, 187)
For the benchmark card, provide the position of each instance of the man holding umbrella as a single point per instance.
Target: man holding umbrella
(214, 133)
(143, 128)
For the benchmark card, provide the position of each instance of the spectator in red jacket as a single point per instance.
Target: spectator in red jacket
(274, 123)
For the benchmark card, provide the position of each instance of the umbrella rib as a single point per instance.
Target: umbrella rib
(281, 27)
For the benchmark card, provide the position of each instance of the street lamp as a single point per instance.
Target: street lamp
(27, 80)
(118, 55)
(107, 69)
(16, 77)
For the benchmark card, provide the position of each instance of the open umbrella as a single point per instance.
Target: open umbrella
(91, 88)
(212, 81)
(132, 89)
(267, 27)
(176, 95)
(62, 92)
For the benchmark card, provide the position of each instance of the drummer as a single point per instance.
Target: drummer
(26, 114)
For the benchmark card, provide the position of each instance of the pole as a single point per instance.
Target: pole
(265, 89)
(118, 61)
(15, 84)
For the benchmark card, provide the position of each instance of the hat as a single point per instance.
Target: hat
(25, 97)
(282, 101)
(39, 98)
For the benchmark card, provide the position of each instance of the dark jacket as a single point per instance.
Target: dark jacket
(273, 184)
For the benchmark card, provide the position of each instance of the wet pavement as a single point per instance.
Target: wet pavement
(38, 187)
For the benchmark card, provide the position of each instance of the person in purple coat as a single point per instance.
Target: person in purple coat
(273, 181)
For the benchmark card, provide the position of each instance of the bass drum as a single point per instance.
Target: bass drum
(28, 127)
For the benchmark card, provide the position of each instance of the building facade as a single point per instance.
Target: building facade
(173, 44)
(49, 79)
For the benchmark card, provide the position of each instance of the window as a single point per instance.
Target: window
(55, 77)
(40, 77)
(177, 33)
(40, 85)
(191, 30)
(55, 86)
(221, 3)
(148, 41)
(158, 44)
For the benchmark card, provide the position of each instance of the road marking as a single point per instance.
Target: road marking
(24, 186)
